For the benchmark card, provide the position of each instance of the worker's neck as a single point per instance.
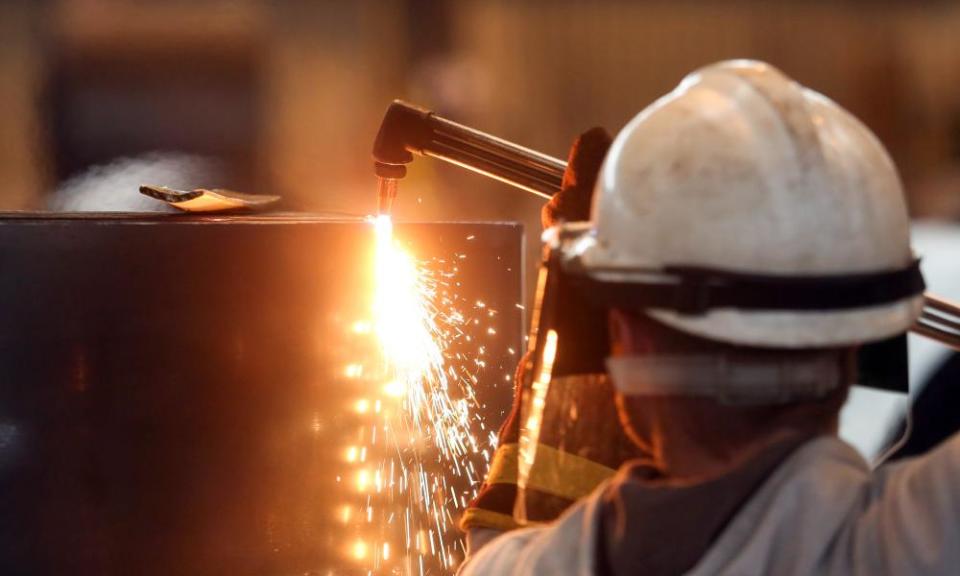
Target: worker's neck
(683, 458)
(696, 439)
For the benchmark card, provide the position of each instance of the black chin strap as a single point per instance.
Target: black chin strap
(694, 291)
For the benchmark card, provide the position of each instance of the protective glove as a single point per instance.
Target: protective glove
(572, 458)
(572, 203)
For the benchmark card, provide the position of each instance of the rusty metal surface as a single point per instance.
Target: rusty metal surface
(170, 387)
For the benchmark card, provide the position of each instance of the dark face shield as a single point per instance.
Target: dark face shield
(571, 438)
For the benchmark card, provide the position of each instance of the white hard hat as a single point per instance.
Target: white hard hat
(745, 179)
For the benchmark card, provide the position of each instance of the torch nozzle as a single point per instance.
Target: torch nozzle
(386, 192)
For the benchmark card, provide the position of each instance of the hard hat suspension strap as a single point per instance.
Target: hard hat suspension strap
(695, 291)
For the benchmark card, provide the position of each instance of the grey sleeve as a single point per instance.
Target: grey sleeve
(910, 519)
(477, 538)
(496, 556)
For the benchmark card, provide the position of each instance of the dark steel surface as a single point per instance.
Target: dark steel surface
(171, 387)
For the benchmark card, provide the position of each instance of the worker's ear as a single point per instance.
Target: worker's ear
(626, 339)
(618, 339)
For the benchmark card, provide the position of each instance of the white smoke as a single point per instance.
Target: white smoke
(115, 187)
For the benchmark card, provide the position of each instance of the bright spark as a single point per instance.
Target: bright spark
(420, 396)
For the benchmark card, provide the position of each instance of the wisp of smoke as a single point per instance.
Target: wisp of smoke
(114, 187)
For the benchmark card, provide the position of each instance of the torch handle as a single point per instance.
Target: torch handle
(408, 130)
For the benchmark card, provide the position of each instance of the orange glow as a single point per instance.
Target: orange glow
(360, 327)
(363, 480)
(394, 389)
(359, 550)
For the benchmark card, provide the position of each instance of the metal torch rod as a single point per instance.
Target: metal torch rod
(939, 320)
(409, 129)
(474, 150)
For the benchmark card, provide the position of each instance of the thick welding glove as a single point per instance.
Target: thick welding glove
(572, 203)
(574, 456)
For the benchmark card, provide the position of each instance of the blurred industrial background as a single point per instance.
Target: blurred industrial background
(285, 97)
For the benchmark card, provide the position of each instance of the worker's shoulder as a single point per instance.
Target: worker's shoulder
(823, 481)
(801, 507)
(825, 472)
(825, 454)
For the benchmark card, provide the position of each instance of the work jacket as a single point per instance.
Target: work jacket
(820, 511)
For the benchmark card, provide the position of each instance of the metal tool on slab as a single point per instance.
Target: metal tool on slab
(203, 200)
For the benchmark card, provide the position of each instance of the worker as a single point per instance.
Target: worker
(745, 236)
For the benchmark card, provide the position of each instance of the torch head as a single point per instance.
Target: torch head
(403, 131)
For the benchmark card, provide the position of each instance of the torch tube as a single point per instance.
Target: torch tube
(408, 130)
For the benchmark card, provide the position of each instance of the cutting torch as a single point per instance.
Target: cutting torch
(408, 130)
